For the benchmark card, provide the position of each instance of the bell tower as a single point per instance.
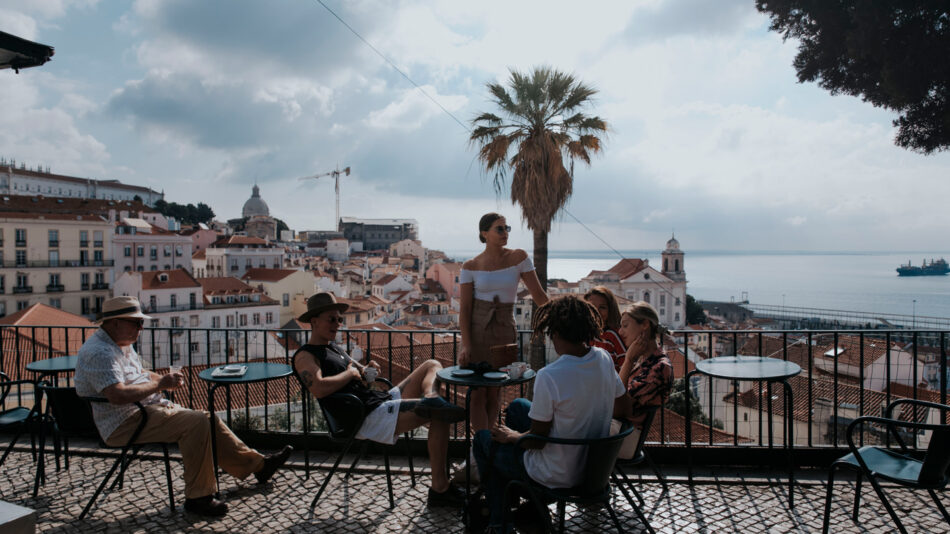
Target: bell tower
(673, 267)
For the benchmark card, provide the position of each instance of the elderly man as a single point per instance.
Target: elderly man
(326, 369)
(108, 366)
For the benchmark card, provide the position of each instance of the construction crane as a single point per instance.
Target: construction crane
(336, 186)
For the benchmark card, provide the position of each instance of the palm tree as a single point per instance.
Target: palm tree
(542, 123)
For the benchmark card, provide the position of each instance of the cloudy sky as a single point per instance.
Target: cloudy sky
(710, 134)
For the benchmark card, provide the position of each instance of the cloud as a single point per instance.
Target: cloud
(797, 220)
(413, 109)
(689, 18)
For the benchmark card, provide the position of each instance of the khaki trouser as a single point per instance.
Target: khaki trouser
(192, 431)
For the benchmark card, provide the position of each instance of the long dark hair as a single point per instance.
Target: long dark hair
(613, 310)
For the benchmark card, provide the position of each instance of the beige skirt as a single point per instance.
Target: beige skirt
(493, 323)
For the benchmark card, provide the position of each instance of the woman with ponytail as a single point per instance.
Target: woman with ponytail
(646, 372)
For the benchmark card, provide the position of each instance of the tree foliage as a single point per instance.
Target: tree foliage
(694, 312)
(540, 132)
(677, 403)
(891, 53)
(188, 214)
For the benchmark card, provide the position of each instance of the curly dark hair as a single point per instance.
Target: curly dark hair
(574, 319)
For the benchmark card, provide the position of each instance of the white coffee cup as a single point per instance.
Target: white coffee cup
(370, 374)
(516, 369)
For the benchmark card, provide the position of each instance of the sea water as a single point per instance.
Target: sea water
(853, 281)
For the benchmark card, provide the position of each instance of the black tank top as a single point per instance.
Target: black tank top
(333, 361)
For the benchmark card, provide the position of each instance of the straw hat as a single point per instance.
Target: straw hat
(121, 308)
(320, 303)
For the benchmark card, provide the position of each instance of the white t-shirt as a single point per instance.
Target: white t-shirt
(578, 395)
(502, 283)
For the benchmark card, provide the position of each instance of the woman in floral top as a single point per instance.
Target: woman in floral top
(646, 372)
(603, 300)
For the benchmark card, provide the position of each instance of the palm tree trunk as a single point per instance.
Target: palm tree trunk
(541, 267)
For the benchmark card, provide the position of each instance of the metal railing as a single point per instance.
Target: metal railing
(845, 374)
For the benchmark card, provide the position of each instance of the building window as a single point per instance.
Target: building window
(127, 251)
(153, 303)
(54, 279)
(97, 304)
(20, 234)
(21, 258)
(56, 303)
(84, 305)
(195, 347)
(140, 268)
(153, 252)
(84, 238)
(176, 322)
(676, 316)
(54, 238)
(193, 321)
(3, 308)
(215, 322)
(97, 238)
(662, 300)
(229, 322)
(256, 319)
(22, 305)
(84, 281)
(678, 301)
(140, 251)
(285, 299)
(174, 299)
(179, 251)
(167, 250)
(243, 319)
(216, 347)
(269, 317)
(54, 258)
(646, 296)
(97, 257)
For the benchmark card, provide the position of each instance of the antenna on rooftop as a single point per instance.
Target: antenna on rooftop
(336, 186)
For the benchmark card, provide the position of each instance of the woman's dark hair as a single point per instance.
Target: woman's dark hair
(484, 224)
(574, 319)
(613, 310)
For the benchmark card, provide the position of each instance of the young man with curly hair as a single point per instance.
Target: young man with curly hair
(574, 397)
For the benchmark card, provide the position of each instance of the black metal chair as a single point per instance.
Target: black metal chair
(340, 433)
(18, 418)
(73, 417)
(898, 467)
(639, 456)
(594, 486)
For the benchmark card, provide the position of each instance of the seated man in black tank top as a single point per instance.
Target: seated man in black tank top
(326, 369)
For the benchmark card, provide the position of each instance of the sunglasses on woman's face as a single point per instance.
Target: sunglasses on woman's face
(503, 229)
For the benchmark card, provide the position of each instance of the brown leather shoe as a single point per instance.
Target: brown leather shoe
(206, 505)
(272, 462)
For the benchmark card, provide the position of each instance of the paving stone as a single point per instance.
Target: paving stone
(358, 504)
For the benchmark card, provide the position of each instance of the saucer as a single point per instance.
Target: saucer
(494, 375)
(463, 372)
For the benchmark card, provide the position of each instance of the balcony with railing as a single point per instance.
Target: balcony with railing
(55, 288)
(22, 289)
(57, 263)
(738, 481)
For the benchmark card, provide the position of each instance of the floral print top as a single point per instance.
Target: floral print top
(650, 382)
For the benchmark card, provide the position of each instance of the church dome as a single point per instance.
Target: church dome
(255, 205)
(673, 244)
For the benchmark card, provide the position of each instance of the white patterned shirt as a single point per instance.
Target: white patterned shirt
(100, 364)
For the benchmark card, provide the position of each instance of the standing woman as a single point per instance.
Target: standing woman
(489, 287)
(603, 300)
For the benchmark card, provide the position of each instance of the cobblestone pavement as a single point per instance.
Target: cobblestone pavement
(746, 504)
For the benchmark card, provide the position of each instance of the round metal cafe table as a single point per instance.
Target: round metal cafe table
(472, 382)
(256, 372)
(757, 369)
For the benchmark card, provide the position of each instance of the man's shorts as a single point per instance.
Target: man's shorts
(380, 424)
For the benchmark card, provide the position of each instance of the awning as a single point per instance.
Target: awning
(17, 53)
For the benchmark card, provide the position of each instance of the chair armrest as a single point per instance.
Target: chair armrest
(385, 381)
(888, 412)
(889, 424)
(625, 430)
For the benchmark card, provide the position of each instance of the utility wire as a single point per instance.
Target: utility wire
(460, 123)
(393, 65)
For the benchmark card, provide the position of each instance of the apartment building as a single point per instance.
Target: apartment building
(61, 260)
(283, 285)
(24, 181)
(234, 255)
(140, 246)
(200, 320)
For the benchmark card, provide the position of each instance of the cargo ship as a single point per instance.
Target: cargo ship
(934, 268)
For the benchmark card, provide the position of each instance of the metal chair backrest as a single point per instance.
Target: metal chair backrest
(345, 404)
(936, 466)
(72, 413)
(647, 424)
(601, 456)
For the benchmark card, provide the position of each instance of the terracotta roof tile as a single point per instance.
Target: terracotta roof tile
(171, 279)
(267, 275)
